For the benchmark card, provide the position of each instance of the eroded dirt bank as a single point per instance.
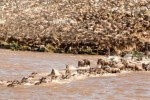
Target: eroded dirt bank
(79, 27)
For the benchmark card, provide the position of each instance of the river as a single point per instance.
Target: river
(17, 64)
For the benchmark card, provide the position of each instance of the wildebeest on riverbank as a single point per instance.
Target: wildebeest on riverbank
(107, 27)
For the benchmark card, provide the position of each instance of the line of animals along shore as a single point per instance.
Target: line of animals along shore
(112, 64)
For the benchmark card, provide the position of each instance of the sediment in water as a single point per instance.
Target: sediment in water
(108, 66)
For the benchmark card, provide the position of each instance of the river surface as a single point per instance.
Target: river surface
(17, 64)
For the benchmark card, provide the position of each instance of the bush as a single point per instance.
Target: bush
(137, 54)
(14, 46)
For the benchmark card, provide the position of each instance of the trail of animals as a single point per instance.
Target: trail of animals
(106, 65)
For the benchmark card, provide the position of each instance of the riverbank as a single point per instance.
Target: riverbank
(104, 27)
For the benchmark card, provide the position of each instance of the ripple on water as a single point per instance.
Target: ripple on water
(13, 65)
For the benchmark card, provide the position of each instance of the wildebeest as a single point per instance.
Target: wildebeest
(32, 75)
(24, 80)
(84, 63)
(14, 83)
(67, 73)
(99, 62)
(146, 66)
(54, 74)
(41, 80)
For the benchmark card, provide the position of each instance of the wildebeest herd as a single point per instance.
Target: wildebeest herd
(105, 65)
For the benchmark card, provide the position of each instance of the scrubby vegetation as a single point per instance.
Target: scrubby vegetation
(75, 26)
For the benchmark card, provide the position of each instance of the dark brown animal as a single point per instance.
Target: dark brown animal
(32, 75)
(53, 75)
(67, 73)
(14, 83)
(41, 80)
(80, 63)
(84, 63)
(146, 67)
(24, 80)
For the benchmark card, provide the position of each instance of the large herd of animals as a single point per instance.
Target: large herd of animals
(102, 27)
(76, 26)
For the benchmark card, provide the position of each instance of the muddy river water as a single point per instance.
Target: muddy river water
(17, 64)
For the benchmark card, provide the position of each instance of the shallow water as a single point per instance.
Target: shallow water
(15, 65)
